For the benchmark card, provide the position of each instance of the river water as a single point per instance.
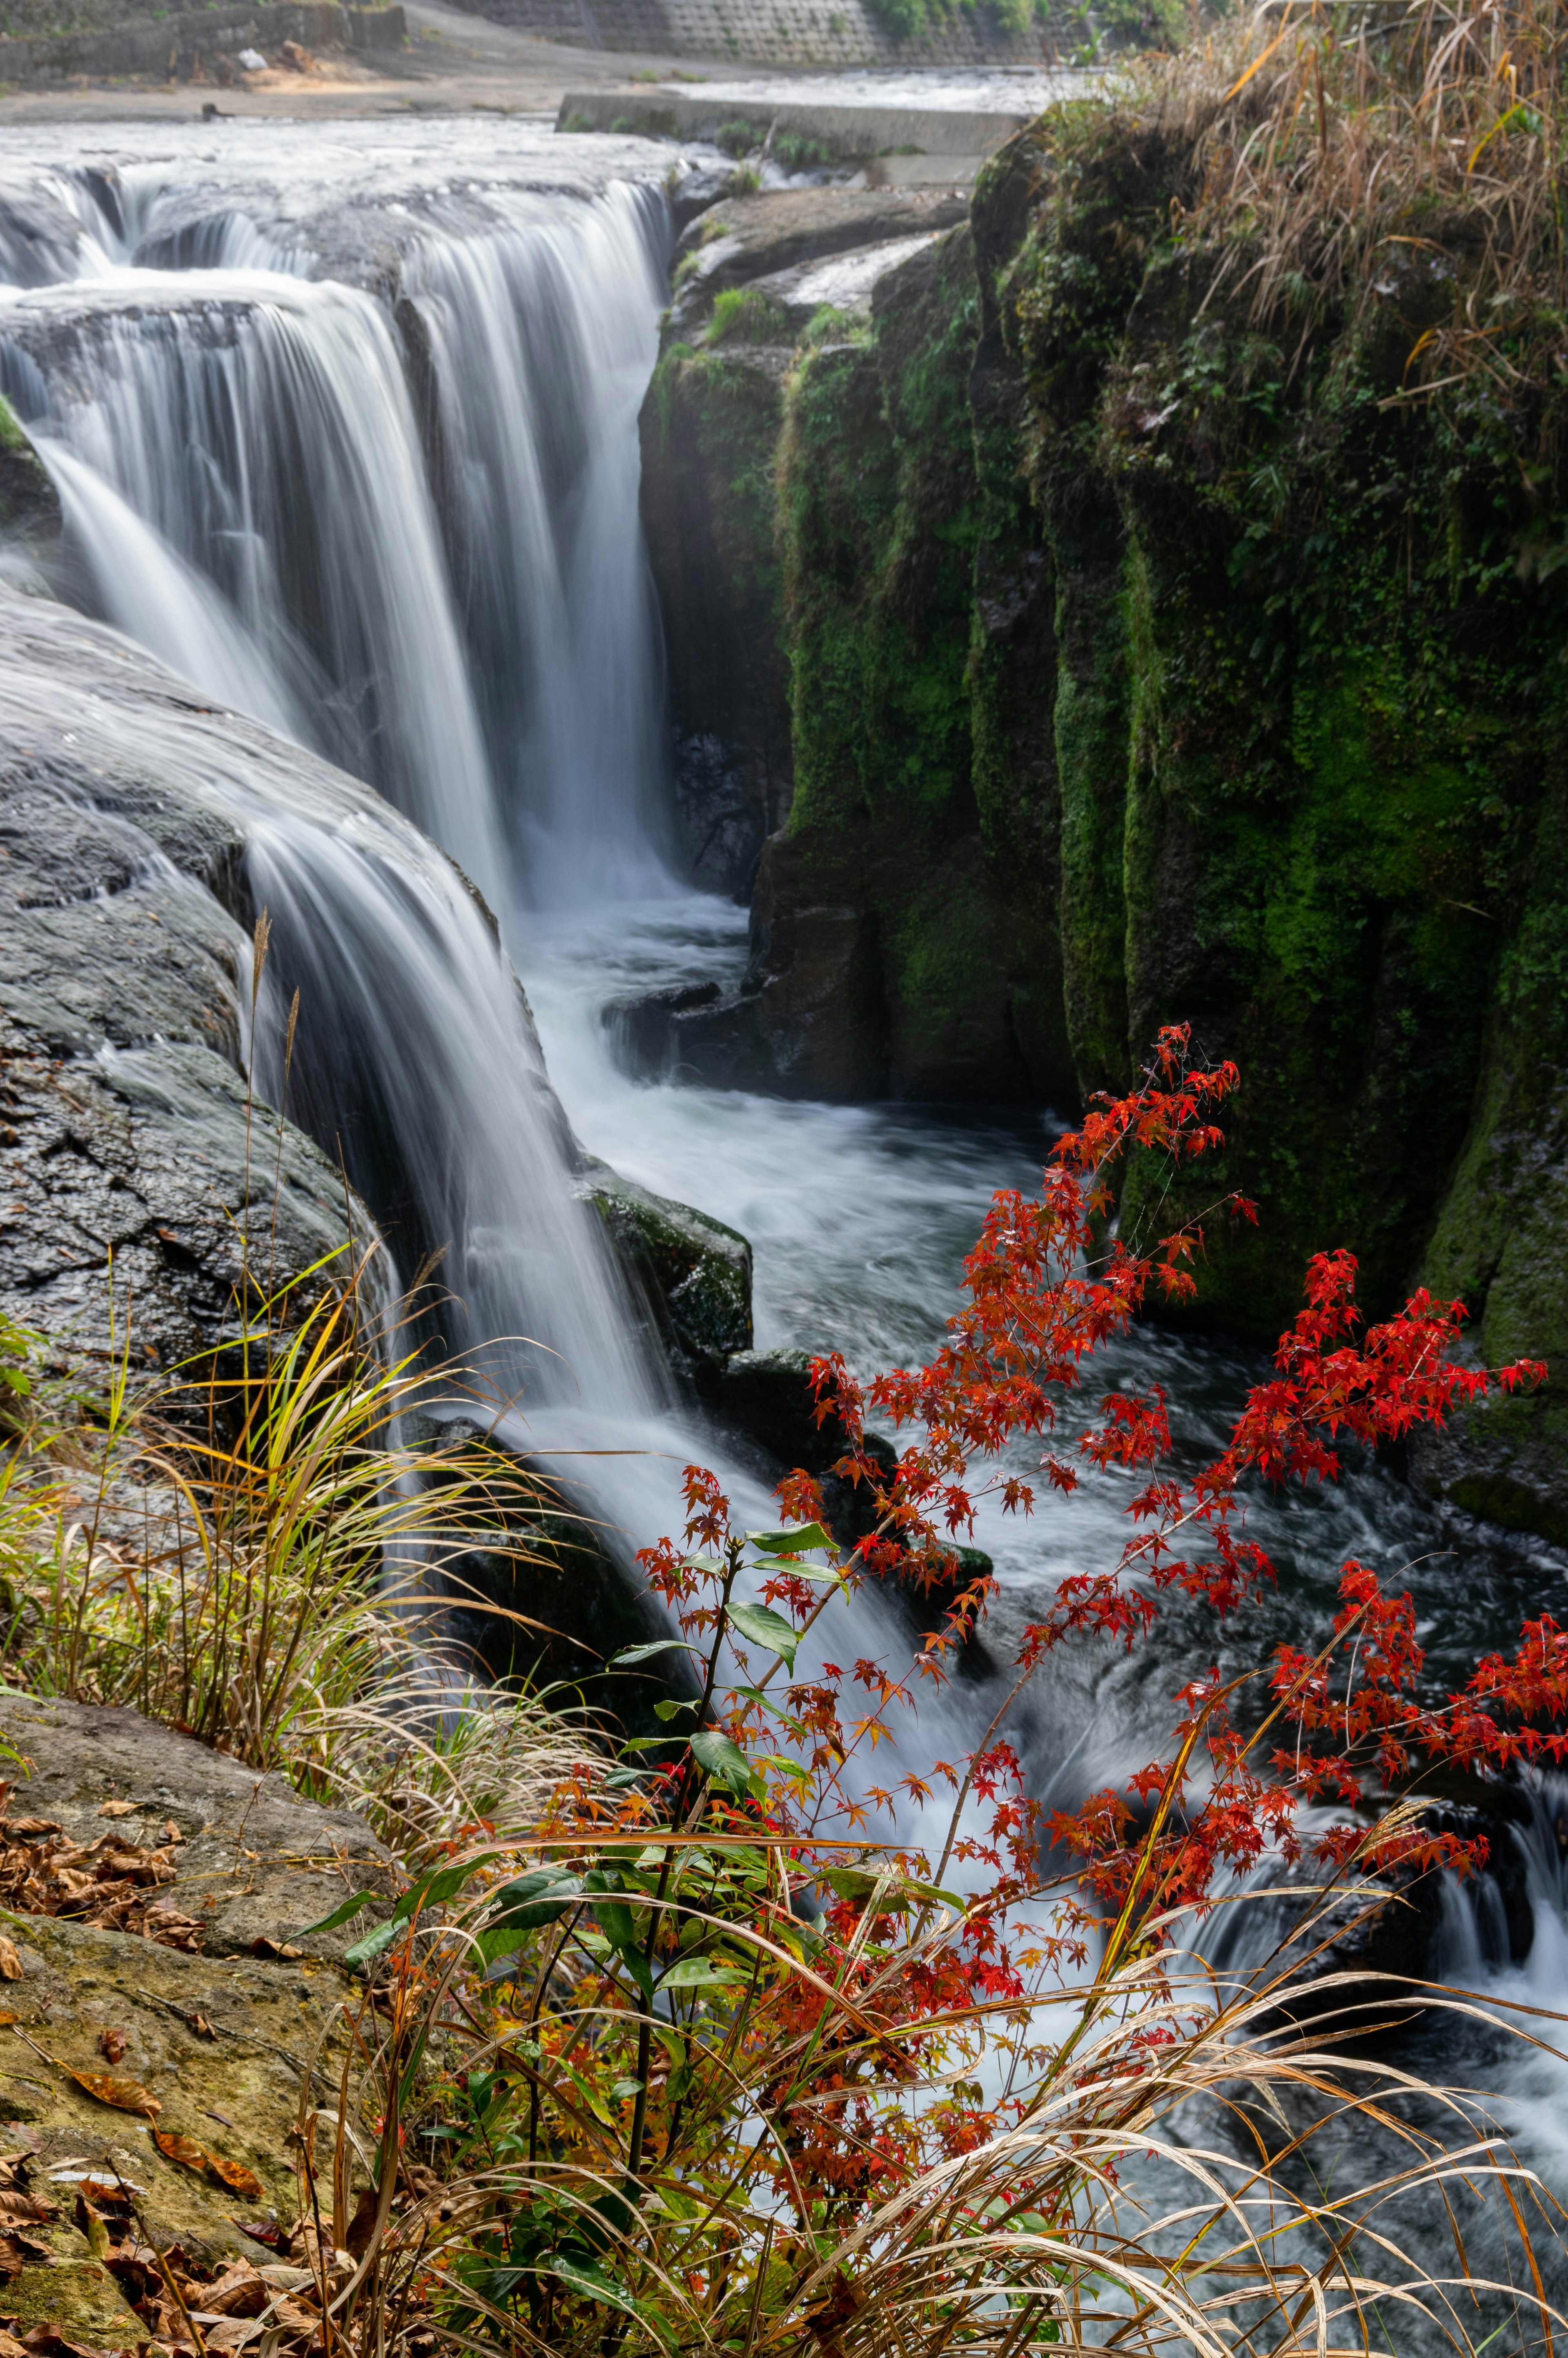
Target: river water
(343, 419)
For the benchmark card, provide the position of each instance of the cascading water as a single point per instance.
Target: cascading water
(345, 431)
(442, 589)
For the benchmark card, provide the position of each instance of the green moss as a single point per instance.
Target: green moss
(744, 315)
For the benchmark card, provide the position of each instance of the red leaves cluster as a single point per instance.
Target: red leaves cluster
(1046, 1286)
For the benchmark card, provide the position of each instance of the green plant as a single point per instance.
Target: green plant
(737, 140)
(797, 152)
(743, 315)
(743, 181)
(903, 21)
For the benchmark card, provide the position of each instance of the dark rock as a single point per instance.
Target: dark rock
(123, 1123)
(641, 1030)
(768, 1396)
(690, 1273)
(31, 520)
(806, 1022)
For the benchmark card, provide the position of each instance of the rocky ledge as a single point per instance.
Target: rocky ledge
(163, 2070)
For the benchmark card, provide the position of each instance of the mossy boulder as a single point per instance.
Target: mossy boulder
(30, 522)
(691, 1274)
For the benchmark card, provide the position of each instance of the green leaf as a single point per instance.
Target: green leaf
(765, 1628)
(629, 1654)
(374, 1943)
(798, 1539)
(351, 1906)
(668, 1711)
(897, 1891)
(701, 1972)
(590, 2281)
(536, 1899)
(722, 1759)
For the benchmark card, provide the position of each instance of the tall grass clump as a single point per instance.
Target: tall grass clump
(267, 1548)
(1345, 159)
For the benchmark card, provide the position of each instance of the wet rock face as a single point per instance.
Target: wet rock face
(123, 1109)
(222, 2042)
(30, 506)
(710, 429)
(691, 1274)
(844, 683)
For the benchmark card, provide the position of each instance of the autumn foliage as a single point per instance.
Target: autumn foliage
(752, 1996)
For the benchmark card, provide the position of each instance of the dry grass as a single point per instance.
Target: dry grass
(1342, 155)
(254, 1555)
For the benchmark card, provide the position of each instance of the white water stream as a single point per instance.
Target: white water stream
(344, 423)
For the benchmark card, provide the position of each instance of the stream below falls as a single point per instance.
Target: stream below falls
(209, 330)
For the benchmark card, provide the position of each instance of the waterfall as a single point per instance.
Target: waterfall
(412, 546)
(491, 669)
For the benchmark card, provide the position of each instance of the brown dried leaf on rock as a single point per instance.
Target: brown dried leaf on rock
(19, 2210)
(125, 2096)
(112, 2045)
(10, 1962)
(116, 1809)
(192, 2156)
(20, 2251)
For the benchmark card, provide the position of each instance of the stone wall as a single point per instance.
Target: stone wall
(773, 32)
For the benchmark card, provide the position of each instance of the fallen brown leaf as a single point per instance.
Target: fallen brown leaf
(19, 2210)
(232, 2174)
(20, 2251)
(112, 2044)
(200, 2026)
(236, 2177)
(10, 1962)
(117, 1809)
(125, 2096)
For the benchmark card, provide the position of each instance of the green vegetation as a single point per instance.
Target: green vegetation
(742, 314)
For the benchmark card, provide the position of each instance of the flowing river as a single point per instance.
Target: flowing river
(344, 421)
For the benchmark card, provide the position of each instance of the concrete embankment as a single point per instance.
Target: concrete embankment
(840, 131)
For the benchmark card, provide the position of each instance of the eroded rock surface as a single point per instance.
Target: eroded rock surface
(222, 2043)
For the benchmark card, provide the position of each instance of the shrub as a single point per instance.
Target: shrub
(737, 140)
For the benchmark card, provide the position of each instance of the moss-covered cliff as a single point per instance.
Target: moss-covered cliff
(1161, 649)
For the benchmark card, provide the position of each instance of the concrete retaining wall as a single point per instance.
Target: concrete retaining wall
(845, 133)
(170, 45)
(771, 32)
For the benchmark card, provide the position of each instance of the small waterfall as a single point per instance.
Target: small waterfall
(249, 462)
(260, 428)
(492, 669)
(1477, 1944)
